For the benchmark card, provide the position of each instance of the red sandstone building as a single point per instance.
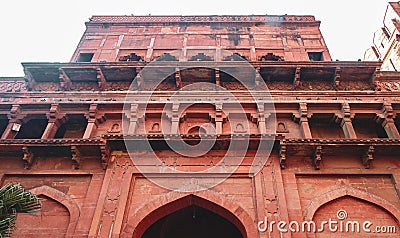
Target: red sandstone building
(312, 139)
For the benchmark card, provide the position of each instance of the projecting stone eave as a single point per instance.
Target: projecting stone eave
(157, 19)
(65, 76)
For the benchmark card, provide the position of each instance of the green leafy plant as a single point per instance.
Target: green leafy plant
(15, 199)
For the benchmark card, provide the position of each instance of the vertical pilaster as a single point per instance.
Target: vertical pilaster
(345, 122)
(261, 119)
(133, 120)
(175, 119)
(218, 118)
(388, 122)
(92, 121)
(149, 52)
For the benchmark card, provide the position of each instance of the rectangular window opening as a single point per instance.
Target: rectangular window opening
(85, 57)
(315, 56)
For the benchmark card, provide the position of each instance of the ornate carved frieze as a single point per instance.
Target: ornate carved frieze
(13, 86)
(388, 86)
(47, 86)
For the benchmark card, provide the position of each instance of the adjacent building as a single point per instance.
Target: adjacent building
(386, 41)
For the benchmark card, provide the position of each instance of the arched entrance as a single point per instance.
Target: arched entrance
(190, 216)
(194, 222)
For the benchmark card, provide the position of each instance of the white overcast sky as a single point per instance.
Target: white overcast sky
(49, 30)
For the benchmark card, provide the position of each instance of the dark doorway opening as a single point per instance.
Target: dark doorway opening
(33, 129)
(74, 128)
(193, 222)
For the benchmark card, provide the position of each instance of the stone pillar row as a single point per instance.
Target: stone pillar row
(56, 119)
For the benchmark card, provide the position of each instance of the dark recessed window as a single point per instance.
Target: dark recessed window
(85, 57)
(315, 56)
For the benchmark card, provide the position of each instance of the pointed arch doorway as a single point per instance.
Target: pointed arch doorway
(190, 216)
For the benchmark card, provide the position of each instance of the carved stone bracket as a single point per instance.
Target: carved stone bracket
(76, 157)
(368, 157)
(65, 81)
(336, 79)
(282, 156)
(92, 111)
(15, 112)
(28, 157)
(387, 110)
(303, 110)
(317, 157)
(296, 80)
(376, 77)
(54, 114)
(101, 79)
(105, 156)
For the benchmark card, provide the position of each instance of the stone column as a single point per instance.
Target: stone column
(51, 129)
(16, 117)
(89, 128)
(53, 123)
(304, 126)
(388, 122)
(345, 122)
(92, 121)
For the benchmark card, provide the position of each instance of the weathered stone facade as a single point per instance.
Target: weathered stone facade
(330, 142)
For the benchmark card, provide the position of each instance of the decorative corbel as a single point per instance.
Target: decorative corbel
(30, 81)
(101, 79)
(368, 157)
(336, 79)
(296, 80)
(65, 81)
(76, 156)
(28, 157)
(282, 156)
(317, 157)
(15, 110)
(105, 156)
(376, 77)
(92, 111)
